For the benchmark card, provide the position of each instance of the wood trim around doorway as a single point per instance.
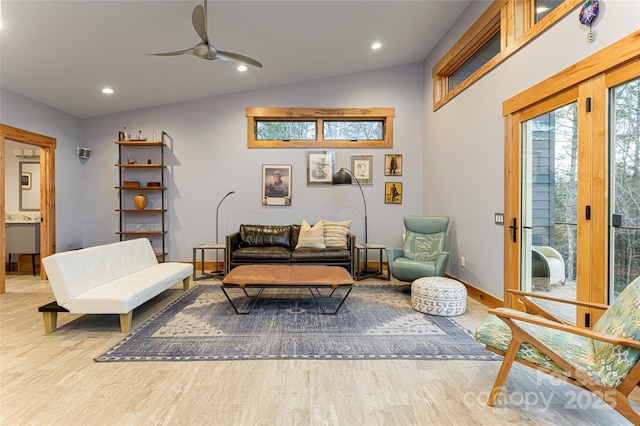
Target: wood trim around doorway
(47, 147)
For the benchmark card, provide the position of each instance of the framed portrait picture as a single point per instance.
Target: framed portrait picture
(393, 192)
(25, 180)
(393, 165)
(362, 168)
(276, 184)
(320, 167)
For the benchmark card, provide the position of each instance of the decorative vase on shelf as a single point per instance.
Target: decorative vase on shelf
(141, 201)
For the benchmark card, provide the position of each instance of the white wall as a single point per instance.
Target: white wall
(24, 113)
(464, 152)
(209, 157)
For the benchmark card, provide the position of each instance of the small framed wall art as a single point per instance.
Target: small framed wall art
(276, 184)
(25, 180)
(393, 165)
(393, 192)
(362, 168)
(320, 167)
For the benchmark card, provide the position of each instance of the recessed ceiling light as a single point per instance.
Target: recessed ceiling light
(242, 68)
(376, 45)
(107, 90)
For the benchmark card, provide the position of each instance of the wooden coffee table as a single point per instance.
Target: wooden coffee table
(313, 277)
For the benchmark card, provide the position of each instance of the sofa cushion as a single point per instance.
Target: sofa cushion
(335, 233)
(130, 291)
(265, 236)
(311, 236)
(261, 254)
(310, 255)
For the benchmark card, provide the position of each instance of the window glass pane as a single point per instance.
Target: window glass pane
(625, 185)
(543, 7)
(353, 130)
(285, 130)
(488, 50)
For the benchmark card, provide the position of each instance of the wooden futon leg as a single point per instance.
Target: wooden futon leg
(125, 321)
(50, 315)
(186, 283)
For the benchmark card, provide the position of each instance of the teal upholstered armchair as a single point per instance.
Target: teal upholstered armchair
(422, 253)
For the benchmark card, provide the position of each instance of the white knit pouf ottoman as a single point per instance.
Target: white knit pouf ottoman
(439, 296)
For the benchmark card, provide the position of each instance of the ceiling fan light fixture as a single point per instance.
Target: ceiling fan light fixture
(375, 46)
(204, 49)
(242, 68)
(107, 90)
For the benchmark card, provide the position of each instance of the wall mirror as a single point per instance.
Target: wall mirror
(29, 186)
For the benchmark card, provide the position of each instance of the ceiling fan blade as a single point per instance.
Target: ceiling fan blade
(235, 57)
(199, 20)
(178, 52)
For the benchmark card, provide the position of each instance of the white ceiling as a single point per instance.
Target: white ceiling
(62, 53)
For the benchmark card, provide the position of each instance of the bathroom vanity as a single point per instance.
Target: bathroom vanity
(23, 237)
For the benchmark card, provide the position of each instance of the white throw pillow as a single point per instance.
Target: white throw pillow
(311, 237)
(335, 233)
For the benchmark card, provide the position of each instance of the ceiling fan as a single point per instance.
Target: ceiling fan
(205, 49)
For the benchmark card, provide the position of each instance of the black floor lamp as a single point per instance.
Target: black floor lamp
(343, 177)
(218, 271)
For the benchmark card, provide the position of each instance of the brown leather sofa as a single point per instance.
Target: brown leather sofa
(277, 244)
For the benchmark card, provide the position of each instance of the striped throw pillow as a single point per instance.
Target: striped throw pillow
(335, 233)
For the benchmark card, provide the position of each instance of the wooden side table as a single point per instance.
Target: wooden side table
(362, 274)
(202, 248)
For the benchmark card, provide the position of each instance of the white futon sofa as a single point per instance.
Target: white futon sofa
(108, 279)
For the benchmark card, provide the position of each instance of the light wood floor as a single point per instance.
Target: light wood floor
(51, 379)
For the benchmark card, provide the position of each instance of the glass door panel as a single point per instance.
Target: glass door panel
(549, 194)
(624, 223)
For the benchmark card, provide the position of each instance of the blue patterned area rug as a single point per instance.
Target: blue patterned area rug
(375, 322)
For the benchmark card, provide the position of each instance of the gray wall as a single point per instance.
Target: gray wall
(209, 157)
(464, 140)
(18, 111)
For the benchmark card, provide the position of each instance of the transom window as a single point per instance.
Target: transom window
(268, 130)
(504, 28)
(320, 127)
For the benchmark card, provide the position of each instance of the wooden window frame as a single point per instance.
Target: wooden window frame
(515, 21)
(591, 77)
(319, 115)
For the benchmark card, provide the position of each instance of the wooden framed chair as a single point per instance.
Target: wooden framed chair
(604, 360)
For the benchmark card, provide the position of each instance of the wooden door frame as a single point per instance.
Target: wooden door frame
(585, 76)
(47, 147)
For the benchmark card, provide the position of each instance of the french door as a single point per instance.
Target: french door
(572, 193)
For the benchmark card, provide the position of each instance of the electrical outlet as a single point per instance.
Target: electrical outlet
(462, 261)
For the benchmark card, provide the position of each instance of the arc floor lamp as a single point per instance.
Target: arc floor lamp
(218, 271)
(344, 177)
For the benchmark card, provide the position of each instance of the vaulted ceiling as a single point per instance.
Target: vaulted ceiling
(62, 53)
